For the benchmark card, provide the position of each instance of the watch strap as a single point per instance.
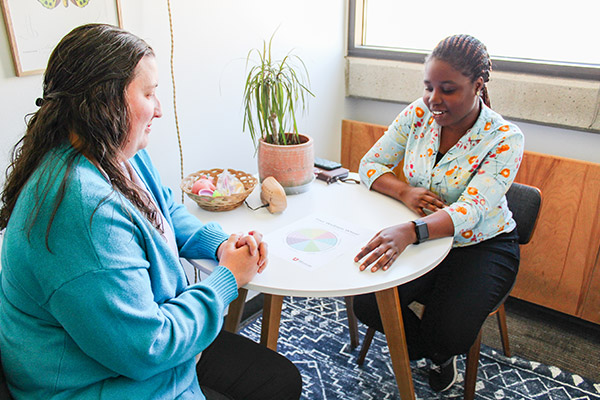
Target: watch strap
(421, 230)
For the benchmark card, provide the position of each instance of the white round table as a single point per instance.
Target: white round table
(340, 276)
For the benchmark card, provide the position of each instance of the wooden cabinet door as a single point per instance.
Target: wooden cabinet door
(558, 264)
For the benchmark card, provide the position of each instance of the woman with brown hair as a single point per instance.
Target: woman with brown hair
(94, 302)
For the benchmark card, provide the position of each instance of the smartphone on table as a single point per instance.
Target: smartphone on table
(327, 165)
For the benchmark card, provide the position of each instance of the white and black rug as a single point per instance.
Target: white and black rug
(314, 335)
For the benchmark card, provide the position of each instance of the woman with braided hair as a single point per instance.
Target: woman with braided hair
(460, 158)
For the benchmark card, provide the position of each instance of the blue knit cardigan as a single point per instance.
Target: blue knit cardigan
(98, 306)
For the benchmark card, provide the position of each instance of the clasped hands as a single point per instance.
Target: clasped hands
(244, 255)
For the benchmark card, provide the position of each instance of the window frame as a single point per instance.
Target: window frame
(525, 66)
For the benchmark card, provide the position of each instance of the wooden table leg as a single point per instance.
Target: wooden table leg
(270, 321)
(236, 308)
(352, 322)
(393, 326)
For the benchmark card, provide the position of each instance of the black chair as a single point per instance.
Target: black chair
(524, 202)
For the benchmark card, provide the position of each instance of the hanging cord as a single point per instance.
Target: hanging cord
(196, 277)
(175, 95)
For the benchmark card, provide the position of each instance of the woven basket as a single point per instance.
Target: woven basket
(221, 203)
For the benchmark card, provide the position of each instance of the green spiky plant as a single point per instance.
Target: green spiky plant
(274, 91)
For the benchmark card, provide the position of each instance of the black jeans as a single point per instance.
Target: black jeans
(458, 295)
(238, 368)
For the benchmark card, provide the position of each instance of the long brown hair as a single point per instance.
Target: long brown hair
(83, 95)
(467, 55)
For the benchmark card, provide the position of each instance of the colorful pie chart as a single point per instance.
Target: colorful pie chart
(311, 240)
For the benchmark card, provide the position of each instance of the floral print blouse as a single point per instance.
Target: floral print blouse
(472, 177)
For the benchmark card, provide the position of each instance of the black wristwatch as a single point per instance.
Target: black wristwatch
(421, 231)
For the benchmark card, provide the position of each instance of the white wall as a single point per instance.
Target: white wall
(212, 40)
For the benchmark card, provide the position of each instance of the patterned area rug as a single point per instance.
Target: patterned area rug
(314, 335)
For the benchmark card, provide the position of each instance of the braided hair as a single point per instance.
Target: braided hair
(467, 55)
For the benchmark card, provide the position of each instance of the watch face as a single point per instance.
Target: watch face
(421, 231)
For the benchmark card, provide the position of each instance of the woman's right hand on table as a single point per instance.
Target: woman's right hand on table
(242, 263)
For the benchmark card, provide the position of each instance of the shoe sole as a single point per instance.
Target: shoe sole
(453, 378)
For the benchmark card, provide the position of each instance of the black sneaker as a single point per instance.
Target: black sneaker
(442, 377)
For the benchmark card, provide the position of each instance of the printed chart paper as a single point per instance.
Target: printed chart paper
(316, 240)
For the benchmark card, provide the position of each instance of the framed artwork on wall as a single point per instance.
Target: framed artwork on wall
(34, 27)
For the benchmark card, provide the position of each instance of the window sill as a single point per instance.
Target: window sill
(569, 103)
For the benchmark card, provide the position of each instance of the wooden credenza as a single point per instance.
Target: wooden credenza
(560, 267)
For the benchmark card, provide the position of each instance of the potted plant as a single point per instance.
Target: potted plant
(274, 91)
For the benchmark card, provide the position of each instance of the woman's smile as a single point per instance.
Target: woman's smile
(450, 96)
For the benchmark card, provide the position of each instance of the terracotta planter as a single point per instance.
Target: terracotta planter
(292, 166)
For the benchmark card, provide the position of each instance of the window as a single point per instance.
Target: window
(527, 36)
